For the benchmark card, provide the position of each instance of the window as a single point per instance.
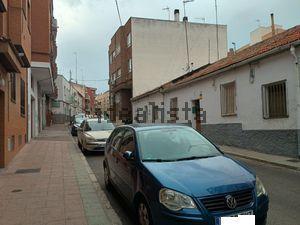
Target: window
(128, 143)
(55, 104)
(130, 65)
(129, 40)
(119, 74)
(173, 110)
(118, 49)
(228, 100)
(110, 59)
(274, 100)
(117, 138)
(32, 83)
(20, 140)
(13, 87)
(11, 143)
(114, 76)
(22, 97)
(114, 54)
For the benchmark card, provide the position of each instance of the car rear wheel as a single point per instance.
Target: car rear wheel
(83, 150)
(144, 214)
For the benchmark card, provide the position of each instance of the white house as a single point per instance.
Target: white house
(61, 107)
(251, 99)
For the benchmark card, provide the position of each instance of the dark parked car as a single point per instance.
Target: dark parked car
(76, 124)
(171, 174)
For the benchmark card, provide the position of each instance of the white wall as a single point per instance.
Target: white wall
(32, 109)
(249, 96)
(159, 50)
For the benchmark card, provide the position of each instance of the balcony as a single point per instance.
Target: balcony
(9, 56)
(19, 32)
(124, 82)
(3, 6)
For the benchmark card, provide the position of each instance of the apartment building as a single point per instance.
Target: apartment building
(15, 58)
(250, 99)
(102, 104)
(62, 106)
(145, 53)
(43, 66)
(90, 95)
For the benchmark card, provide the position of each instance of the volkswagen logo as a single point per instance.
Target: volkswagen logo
(231, 202)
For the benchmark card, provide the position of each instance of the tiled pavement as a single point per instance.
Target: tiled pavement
(61, 193)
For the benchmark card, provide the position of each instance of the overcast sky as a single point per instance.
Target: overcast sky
(86, 26)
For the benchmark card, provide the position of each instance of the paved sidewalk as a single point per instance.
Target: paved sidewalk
(282, 161)
(49, 183)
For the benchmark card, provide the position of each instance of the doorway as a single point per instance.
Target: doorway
(197, 112)
(2, 120)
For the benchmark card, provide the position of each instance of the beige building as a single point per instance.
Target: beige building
(102, 103)
(145, 53)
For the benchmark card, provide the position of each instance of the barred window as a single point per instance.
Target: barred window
(173, 110)
(228, 99)
(274, 99)
(13, 87)
(22, 97)
(129, 40)
(130, 65)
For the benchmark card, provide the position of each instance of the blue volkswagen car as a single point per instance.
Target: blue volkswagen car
(171, 174)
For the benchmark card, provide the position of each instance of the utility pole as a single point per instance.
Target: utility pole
(185, 20)
(119, 14)
(168, 10)
(217, 28)
(76, 67)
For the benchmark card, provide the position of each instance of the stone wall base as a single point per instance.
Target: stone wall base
(278, 142)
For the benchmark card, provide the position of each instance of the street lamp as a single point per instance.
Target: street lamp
(168, 10)
(76, 65)
(184, 2)
(234, 46)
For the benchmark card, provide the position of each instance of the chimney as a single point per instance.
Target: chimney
(273, 24)
(185, 19)
(176, 15)
(231, 52)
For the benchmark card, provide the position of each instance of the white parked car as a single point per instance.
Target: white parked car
(93, 133)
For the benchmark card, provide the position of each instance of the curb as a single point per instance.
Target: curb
(98, 190)
(264, 161)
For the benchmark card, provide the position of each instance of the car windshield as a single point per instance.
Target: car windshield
(174, 144)
(79, 120)
(99, 126)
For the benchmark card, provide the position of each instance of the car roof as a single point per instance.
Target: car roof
(149, 126)
(95, 119)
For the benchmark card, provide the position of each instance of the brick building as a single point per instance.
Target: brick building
(102, 104)
(145, 53)
(90, 94)
(15, 58)
(43, 67)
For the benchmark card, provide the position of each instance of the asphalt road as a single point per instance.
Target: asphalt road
(283, 186)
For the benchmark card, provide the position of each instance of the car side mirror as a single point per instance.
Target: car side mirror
(128, 155)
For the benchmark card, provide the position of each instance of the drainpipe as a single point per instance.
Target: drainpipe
(297, 66)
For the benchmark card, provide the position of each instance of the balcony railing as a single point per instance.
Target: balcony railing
(20, 35)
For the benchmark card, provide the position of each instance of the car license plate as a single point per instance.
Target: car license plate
(218, 219)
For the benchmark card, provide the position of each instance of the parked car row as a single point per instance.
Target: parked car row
(171, 174)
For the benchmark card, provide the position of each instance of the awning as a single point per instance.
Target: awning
(42, 73)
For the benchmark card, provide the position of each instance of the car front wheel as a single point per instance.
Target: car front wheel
(144, 214)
